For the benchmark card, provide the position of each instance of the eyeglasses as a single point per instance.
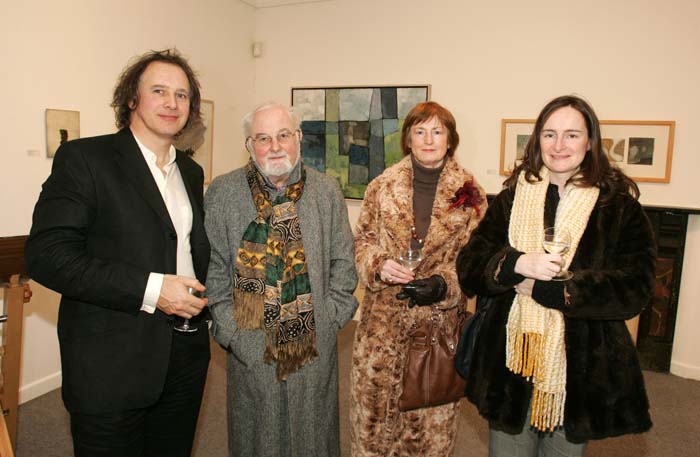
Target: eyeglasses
(265, 141)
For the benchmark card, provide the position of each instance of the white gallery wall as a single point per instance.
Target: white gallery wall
(68, 56)
(632, 59)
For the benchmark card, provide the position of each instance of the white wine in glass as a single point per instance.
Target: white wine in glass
(183, 325)
(411, 258)
(557, 241)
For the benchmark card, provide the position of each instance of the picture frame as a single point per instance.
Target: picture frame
(61, 126)
(642, 149)
(205, 153)
(353, 133)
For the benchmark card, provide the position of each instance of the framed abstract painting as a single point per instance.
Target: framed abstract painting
(353, 133)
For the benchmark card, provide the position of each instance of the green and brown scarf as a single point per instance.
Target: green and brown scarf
(271, 287)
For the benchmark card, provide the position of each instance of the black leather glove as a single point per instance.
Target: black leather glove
(424, 292)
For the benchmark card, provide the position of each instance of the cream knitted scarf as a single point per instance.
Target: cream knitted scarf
(535, 334)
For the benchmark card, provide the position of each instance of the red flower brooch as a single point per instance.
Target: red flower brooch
(467, 196)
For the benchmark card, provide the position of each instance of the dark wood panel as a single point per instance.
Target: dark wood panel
(12, 256)
(658, 319)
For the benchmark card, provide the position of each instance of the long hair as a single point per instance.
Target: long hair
(424, 112)
(595, 170)
(127, 89)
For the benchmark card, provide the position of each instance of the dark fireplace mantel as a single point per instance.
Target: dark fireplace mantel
(657, 322)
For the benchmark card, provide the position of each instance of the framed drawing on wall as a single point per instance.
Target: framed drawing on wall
(642, 149)
(353, 132)
(198, 139)
(61, 126)
(515, 134)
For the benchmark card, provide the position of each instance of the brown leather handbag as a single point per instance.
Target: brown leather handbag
(429, 377)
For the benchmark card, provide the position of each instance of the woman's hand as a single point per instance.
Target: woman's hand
(539, 265)
(424, 292)
(525, 287)
(393, 272)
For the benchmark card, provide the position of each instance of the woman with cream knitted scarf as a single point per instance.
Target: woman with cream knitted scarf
(553, 355)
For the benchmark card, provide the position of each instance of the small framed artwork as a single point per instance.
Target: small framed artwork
(197, 139)
(61, 126)
(515, 134)
(642, 149)
(353, 133)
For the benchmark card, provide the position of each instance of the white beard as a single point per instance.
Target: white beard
(278, 168)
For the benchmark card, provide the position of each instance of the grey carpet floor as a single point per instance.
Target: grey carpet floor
(43, 429)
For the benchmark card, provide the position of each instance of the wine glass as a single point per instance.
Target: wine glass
(557, 241)
(411, 258)
(185, 326)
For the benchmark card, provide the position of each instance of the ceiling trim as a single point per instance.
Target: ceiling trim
(276, 3)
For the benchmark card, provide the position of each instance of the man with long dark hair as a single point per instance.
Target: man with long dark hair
(118, 231)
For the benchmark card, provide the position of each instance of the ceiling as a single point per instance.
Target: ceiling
(274, 3)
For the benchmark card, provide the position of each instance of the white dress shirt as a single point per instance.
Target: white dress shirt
(172, 189)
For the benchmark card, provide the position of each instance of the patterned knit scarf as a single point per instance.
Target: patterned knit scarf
(271, 287)
(535, 345)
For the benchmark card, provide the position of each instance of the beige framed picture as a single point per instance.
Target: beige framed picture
(642, 149)
(197, 139)
(515, 134)
(61, 126)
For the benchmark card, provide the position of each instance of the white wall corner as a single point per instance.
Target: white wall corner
(40, 387)
(685, 371)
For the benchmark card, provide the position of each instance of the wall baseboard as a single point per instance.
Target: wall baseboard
(40, 387)
(685, 371)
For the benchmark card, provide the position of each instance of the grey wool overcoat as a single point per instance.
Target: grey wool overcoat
(254, 393)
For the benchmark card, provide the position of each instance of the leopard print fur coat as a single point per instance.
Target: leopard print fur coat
(383, 229)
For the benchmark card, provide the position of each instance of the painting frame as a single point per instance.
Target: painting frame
(205, 153)
(353, 132)
(61, 125)
(642, 149)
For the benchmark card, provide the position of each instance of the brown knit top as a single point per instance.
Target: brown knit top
(425, 181)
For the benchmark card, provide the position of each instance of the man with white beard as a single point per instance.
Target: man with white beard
(280, 286)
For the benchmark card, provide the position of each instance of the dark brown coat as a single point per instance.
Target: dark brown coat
(613, 280)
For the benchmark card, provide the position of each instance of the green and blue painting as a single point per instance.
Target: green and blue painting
(354, 133)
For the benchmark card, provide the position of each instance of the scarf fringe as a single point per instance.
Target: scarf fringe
(526, 350)
(249, 310)
(547, 409)
(290, 356)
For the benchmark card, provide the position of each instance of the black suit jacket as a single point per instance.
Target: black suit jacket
(99, 228)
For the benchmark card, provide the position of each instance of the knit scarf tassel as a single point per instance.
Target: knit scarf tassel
(539, 356)
(535, 345)
(526, 348)
(547, 409)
